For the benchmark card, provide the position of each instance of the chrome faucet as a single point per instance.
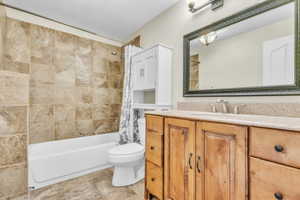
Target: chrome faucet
(237, 108)
(224, 105)
(213, 108)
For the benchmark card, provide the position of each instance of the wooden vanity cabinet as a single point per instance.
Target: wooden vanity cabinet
(198, 160)
(204, 161)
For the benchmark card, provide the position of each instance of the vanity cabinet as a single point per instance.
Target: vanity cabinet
(199, 160)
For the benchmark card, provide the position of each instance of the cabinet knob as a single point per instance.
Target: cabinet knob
(152, 179)
(278, 196)
(152, 147)
(278, 148)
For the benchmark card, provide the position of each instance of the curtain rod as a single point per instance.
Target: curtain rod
(53, 20)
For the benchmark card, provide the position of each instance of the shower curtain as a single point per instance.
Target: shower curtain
(128, 121)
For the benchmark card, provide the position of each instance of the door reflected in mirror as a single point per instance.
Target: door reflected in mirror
(256, 52)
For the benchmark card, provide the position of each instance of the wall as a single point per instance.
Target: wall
(75, 83)
(53, 85)
(14, 100)
(170, 27)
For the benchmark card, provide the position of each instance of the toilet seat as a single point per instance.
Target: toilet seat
(126, 153)
(127, 149)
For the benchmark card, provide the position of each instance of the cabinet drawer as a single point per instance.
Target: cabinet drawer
(275, 145)
(155, 124)
(272, 181)
(154, 182)
(154, 151)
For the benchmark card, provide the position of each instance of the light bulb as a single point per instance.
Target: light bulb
(208, 38)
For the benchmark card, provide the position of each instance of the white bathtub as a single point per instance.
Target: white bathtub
(53, 162)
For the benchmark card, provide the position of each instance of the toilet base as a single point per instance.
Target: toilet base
(124, 176)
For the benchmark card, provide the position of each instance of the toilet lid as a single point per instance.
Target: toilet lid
(126, 149)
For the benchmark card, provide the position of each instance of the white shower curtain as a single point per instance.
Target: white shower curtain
(128, 121)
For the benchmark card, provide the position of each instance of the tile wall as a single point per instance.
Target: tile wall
(53, 86)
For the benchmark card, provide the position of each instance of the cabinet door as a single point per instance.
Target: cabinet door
(150, 71)
(145, 70)
(179, 159)
(139, 74)
(223, 152)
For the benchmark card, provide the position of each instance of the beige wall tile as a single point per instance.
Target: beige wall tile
(85, 127)
(64, 41)
(100, 54)
(13, 150)
(9, 65)
(101, 111)
(115, 110)
(42, 45)
(100, 80)
(12, 79)
(41, 113)
(104, 126)
(83, 46)
(115, 81)
(17, 43)
(64, 112)
(13, 120)
(63, 72)
(102, 95)
(84, 95)
(13, 181)
(64, 63)
(13, 96)
(65, 130)
(65, 95)
(42, 74)
(41, 132)
(83, 69)
(42, 94)
(83, 112)
(115, 96)
(115, 67)
(14, 88)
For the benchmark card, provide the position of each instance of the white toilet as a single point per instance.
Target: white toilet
(129, 160)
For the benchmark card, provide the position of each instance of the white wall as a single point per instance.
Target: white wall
(170, 27)
(22, 16)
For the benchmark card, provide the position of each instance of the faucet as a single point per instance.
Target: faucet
(236, 109)
(224, 105)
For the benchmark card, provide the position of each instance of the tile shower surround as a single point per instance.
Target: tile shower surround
(53, 86)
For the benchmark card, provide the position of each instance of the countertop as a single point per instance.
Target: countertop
(284, 123)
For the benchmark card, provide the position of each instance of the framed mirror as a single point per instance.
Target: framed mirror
(252, 53)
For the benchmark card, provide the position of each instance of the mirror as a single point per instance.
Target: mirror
(250, 53)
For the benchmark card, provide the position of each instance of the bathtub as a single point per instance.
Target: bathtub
(57, 161)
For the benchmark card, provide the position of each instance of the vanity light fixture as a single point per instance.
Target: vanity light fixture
(214, 5)
(209, 38)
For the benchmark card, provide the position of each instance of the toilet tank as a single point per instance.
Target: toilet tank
(142, 130)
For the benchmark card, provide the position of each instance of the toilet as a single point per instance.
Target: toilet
(129, 160)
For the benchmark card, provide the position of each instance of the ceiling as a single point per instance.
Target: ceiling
(114, 19)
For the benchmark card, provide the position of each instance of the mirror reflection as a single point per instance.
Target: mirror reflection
(257, 52)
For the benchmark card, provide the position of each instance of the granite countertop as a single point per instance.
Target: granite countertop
(285, 123)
